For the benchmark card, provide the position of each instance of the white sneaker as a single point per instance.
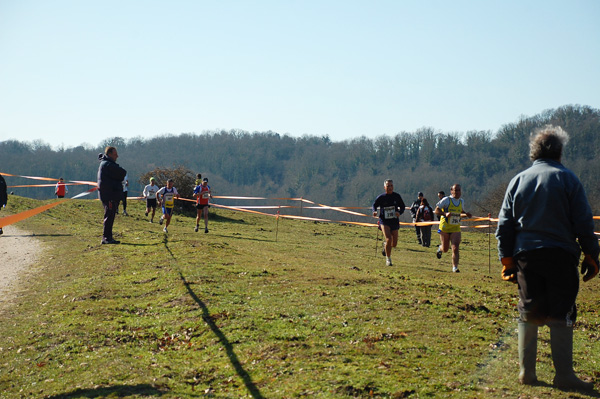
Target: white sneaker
(165, 229)
(388, 262)
(160, 220)
(455, 269)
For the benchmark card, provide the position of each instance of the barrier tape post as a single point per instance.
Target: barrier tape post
(489, 243)
(377, 242)
(277, 225)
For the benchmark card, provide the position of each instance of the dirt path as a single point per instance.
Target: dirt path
(18, 251)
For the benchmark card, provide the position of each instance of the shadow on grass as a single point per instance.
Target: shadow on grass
(240, 237)
(166, 243)
(39, 235)
(252, 388)
(131, 244)
(117, 391)
(220, 218)
(588, 394)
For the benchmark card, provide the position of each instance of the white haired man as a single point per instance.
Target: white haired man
(544, 223)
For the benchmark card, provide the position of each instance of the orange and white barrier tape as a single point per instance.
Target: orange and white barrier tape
(8, 220)
(250, 208)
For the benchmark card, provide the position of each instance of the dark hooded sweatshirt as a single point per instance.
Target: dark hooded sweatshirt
(110, 178)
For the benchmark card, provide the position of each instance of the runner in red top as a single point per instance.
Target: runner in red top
(61, 189)
(202, 194)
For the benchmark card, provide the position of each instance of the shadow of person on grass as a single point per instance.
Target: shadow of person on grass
(252, 388)
(116, 391)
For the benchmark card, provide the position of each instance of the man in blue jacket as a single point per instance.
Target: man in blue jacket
(544, 224)
(3, 195)
(110, 190)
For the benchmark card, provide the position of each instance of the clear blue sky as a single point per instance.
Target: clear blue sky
(77, 71)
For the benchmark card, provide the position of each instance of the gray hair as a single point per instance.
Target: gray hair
(547, 142)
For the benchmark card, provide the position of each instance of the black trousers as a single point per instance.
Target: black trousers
(124, 200)
(110, 209)
(548, 285)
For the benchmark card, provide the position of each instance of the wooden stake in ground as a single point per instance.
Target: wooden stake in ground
(277, 228)
(489, 243)
(377, 242)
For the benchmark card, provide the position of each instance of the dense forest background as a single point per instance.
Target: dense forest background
(347, 173)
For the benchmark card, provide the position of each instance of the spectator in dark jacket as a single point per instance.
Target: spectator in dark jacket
(425, 214)
(110, 190)
(413, 213)
(3, 195)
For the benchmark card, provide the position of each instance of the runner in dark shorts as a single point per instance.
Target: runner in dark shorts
(391, 206)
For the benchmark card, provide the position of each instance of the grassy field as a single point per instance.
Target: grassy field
(236, 314)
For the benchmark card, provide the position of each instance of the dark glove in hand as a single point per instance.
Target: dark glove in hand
(589, 267)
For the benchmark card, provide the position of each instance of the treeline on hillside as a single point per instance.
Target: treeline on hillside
(346, 173)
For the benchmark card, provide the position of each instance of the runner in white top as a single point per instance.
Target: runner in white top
(150, 194)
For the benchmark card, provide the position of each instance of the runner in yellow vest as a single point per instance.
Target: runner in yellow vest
(451, 209)
(166, 196)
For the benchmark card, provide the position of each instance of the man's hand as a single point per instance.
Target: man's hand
(509, 269)
(589, 267)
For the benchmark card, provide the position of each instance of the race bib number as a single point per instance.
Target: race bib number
(205, 195)
(454, 219)
(168, 197)
(389, 212)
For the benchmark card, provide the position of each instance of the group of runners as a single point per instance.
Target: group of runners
(450, 209)
(544, 225)
(113, 184)
(165, 198)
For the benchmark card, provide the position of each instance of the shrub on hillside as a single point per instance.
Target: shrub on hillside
(183, 180)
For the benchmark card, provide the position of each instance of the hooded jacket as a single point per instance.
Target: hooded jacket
(3, 195)
(110, 178)
(545, 206)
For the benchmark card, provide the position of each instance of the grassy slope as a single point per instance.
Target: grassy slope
(234, 313)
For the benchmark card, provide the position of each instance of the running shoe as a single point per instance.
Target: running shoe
(125, 213)
(388, 262)
(455, 269)
(1, 232)
(206, 230)
(165, 229)
(160, 220)
(196, 228)
(112, 241)
(383, 252)
(439, 253)
(146, 213)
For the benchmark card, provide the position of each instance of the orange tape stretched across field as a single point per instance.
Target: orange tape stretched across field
(23, 215)
(8, 220)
